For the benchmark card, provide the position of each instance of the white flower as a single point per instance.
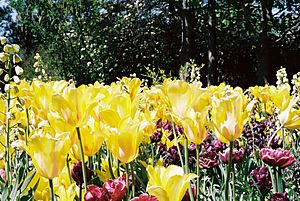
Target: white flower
(19, 70)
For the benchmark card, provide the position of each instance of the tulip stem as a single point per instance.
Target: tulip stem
(118, 167)
(127, 182)
(273, 178)
(51, 190)
(198, 172)
(68, 167)
(133, 180)
(186, 169)
(110, 164)
(177, 144)
(26, 137)
(228, 172)
(283, 138)
(233, 183)
(7, 131)
(279, 180)
(82, 159)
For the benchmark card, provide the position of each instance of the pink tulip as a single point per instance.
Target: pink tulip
(95, 193)
(276, 157)
(116, 188)
(237, 155)
(145, 197)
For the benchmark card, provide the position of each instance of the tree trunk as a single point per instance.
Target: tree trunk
(187, 49)
(266, 17)
(211, 66)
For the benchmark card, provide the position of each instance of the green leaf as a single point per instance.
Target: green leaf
(26, 182)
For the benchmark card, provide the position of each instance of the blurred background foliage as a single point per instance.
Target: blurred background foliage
(239, 42)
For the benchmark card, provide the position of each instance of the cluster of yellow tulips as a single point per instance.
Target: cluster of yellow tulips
(51, 121)
(108, 129)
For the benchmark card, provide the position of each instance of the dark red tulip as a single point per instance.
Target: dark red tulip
(279, 197)
(208, 160)
(77, 174)
(262, 178)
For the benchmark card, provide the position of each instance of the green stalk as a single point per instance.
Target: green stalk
(118, 167)
(177, 143)
(26, 136)
(279, 180)
(7, 130)
(80, 192)
(82, 159)
(228, 173)
(51, 190)
(127, 183)
(186, 167)
(198, 172)
(110, 165)
(68, 167)
(283, 138)
(273, 178)
(99, 158)
(133, 179)
(233, 183)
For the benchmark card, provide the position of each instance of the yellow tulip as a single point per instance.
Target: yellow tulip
(261, 93)
(281, 97)
(195, 125)
(131, 85)
(91, 137)
(229, 115)
(48, 151)
(290, 116)
(168, 184)
(124, 140)
(180, 96)
(288, 113)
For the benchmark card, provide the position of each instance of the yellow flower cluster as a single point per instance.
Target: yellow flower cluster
(123, 115)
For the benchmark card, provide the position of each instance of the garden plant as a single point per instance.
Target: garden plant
(128, 141)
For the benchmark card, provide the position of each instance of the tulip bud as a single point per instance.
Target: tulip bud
(77, 173)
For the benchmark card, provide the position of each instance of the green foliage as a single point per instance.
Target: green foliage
(102, 40)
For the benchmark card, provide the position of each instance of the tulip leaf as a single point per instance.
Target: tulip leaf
(26, 182)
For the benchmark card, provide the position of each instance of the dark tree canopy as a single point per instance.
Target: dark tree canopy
(239, 42)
